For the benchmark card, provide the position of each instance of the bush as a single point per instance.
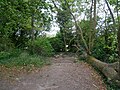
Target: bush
(5, 44)
(57, 43)
(9, 54)
(41, 46)
(24, 59)
(105, 52)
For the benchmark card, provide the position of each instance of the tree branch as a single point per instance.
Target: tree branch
(78, 28)
(110, 11)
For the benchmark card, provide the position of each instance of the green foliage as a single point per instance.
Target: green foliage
(57, 43)
(85, 26)
(8, 54)
(105, 44)
(105, 51)
(5, 44)
(41, 46)
(112, 2)
(15, 19)
(24, 59)
(98, 50)
(64, 20)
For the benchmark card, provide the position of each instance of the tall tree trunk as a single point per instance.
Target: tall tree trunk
(119, 47)
(91, 21)
(95, 17)
(94, 24)
(118, 36)
(110, 11)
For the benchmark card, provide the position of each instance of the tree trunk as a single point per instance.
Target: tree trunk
(90, 32)
(118, 36)
(119, 47)
(109, 70)
(110, 11)
(92, 25)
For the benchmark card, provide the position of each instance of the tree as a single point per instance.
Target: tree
(118, 35)
(20, 17)
(64, 21)
(109, 70)
(13, 18)
(93, 21)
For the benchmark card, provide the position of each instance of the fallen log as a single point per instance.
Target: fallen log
(115, 65)
(109, 70)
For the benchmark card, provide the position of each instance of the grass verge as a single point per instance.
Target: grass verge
(20, 59)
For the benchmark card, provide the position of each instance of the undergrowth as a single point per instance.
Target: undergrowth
(19, 59)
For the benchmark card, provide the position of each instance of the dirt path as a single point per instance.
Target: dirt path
(63, 74)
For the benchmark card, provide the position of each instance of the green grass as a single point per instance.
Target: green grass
(18, 59)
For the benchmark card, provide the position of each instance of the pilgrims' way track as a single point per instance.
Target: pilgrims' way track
(62, 74)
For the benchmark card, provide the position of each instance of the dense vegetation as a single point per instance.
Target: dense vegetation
(86, 26)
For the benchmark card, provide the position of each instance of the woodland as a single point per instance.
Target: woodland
(88, 28)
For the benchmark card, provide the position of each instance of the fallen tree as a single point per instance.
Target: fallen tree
(109, 70)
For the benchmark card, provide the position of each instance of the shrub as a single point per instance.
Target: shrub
(10, 53)
(24, 59)
(41, 46)
(57, 43)
(5, 56)
(105, 52)
(5, 44)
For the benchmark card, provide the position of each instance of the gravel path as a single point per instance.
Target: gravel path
(62, 74)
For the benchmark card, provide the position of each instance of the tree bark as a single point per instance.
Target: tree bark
(92, 25)
(110, 11)
(118, 37)
(90, 32)
(109, 70)
(119, 47)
